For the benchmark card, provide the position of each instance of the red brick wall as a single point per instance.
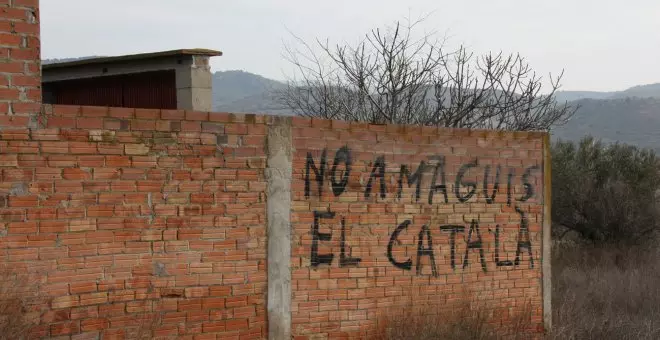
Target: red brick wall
(356, 250)
(20, 63)
(131, 212)
(127, 212)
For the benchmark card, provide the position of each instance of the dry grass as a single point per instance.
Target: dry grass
(439, 318)
(21, 302)
(605, 292)
(602, 293)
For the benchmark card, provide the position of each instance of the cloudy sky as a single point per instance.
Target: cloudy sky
(602, 45)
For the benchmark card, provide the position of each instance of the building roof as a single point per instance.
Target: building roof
(133, 57)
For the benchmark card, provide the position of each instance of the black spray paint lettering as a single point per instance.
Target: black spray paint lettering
(439, 171)
(346, 260)
(529, 188)
(509, 187)
(415, 178)
(499, 263)
(425, 232)
(474, 240)
(490, 197)
(318, 172)
(377, 171)
(317, 236)
(318, 259)
(460, 182)
(406, 265)
(524, 241)
(476, 244)
(342, 155)
(452, 229)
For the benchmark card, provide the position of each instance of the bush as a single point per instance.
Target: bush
(605, 193)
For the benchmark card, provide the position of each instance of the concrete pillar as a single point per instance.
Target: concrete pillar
(546, 254)
(194, 85)
(278, 209)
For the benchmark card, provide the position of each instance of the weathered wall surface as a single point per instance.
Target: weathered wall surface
(130, 213)
(127, 212)
(380, 212)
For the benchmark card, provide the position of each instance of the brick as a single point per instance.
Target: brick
(236, 129)
(94, 111)
(172, 114)
(26, 3)
(15, 121)
(9, 94)
(121, 112)
(64, 328)
(117, 161)
(26, 54)
(150, 114)
(26, 28)
(17, 80)
(65, 301)
(144, 125)
(83, 148)
(93, 298)
(10, 67)
(32, 94)
(136, 149)
(61, 122)
(8, 160)
(89, 123)
(94, 324)
(196, 115)
(213, 127)
(75, 173)
(237, 324)
(191, 126)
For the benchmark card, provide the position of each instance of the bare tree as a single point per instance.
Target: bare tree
(392, 77)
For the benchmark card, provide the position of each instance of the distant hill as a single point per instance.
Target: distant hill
(629, 116)
(630, 120)
(563, 96)
(641, 91)
(240, 91)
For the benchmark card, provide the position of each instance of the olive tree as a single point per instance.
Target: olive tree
(605, 193)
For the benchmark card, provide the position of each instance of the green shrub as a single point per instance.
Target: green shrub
(605, 193)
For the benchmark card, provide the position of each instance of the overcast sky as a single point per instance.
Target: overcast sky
(602, 45)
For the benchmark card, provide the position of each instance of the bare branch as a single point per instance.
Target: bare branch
(391, 76)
